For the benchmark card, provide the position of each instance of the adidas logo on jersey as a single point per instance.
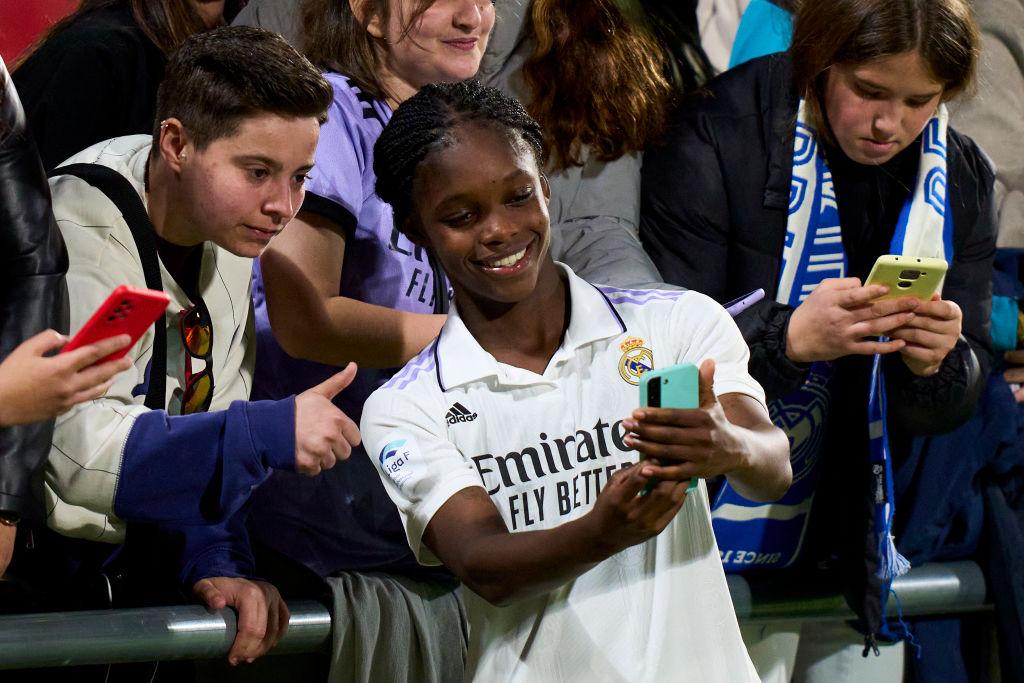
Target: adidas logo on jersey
(459, 413)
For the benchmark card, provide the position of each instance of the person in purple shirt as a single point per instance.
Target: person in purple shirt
(341, 284)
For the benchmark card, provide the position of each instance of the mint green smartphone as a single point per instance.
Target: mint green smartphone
(672, 387)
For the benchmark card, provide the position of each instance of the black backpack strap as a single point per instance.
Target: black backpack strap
(121, 192)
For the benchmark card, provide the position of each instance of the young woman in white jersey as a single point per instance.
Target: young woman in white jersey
(611, 583)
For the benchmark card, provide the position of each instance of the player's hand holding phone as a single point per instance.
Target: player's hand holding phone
(683, 444)
(35, 386)
(621, 517)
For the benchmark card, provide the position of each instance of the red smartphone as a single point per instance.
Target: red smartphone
(128, 310)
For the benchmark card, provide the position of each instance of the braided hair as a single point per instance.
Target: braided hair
(424, 122)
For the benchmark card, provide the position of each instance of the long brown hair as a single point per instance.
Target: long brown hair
(335, 39)
(595, 79)
(165, 22)
(831, 32)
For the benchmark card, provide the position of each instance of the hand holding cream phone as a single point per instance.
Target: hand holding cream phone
(673, 387)
(908, 276)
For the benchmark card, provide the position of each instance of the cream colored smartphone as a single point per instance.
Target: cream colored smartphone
(908, 276)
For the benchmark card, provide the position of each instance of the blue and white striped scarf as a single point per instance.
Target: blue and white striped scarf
(771, 535)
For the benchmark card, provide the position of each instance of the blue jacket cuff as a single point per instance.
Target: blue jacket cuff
(272, 425)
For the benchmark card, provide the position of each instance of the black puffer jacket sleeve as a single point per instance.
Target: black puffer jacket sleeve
(721, 236)
(34, 295)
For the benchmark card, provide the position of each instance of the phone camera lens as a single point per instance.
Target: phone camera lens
(654, 394)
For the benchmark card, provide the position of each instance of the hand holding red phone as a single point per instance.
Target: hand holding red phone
(34, 386)
(323, 434)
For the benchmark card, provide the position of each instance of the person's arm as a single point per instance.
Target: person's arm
(201, 468)
(449, 518)
(38, 385)
(684, 216)
(302, 270)
(34, 294)
(731, 436)
(469, 536)
(216, 566)
(192, 468)
(730, 432)
(727, 435)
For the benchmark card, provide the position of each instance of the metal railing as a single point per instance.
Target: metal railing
(191, 632)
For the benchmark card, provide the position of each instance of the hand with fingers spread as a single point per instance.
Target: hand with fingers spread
(840, 317)
(34, 386)
(323, 434)
(622, 518)
(728, 435)
(1014, 374)
(930, 335)
(262, 614)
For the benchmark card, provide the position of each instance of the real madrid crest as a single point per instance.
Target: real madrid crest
(636, 359)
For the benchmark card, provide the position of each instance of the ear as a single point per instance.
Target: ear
(545, 187)
(174, 144)
(374, 23)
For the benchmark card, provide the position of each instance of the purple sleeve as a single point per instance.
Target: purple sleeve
(341, 154)
(198, 469)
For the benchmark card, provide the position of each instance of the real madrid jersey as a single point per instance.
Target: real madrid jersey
(543, 446)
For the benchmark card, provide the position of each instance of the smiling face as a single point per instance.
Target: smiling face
(444, 44)
(481, 205)
(876, 109)
(242, 189)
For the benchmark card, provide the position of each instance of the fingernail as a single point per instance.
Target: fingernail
(250, 660)
(629, 425)
(647, 472)
(639, 414)
(628, 439)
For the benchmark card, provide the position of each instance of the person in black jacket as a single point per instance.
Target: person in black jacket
(34, 388)
(715, 217)
(95, 74)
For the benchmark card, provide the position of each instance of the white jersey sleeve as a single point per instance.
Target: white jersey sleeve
(710, 332)
(405, 434)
